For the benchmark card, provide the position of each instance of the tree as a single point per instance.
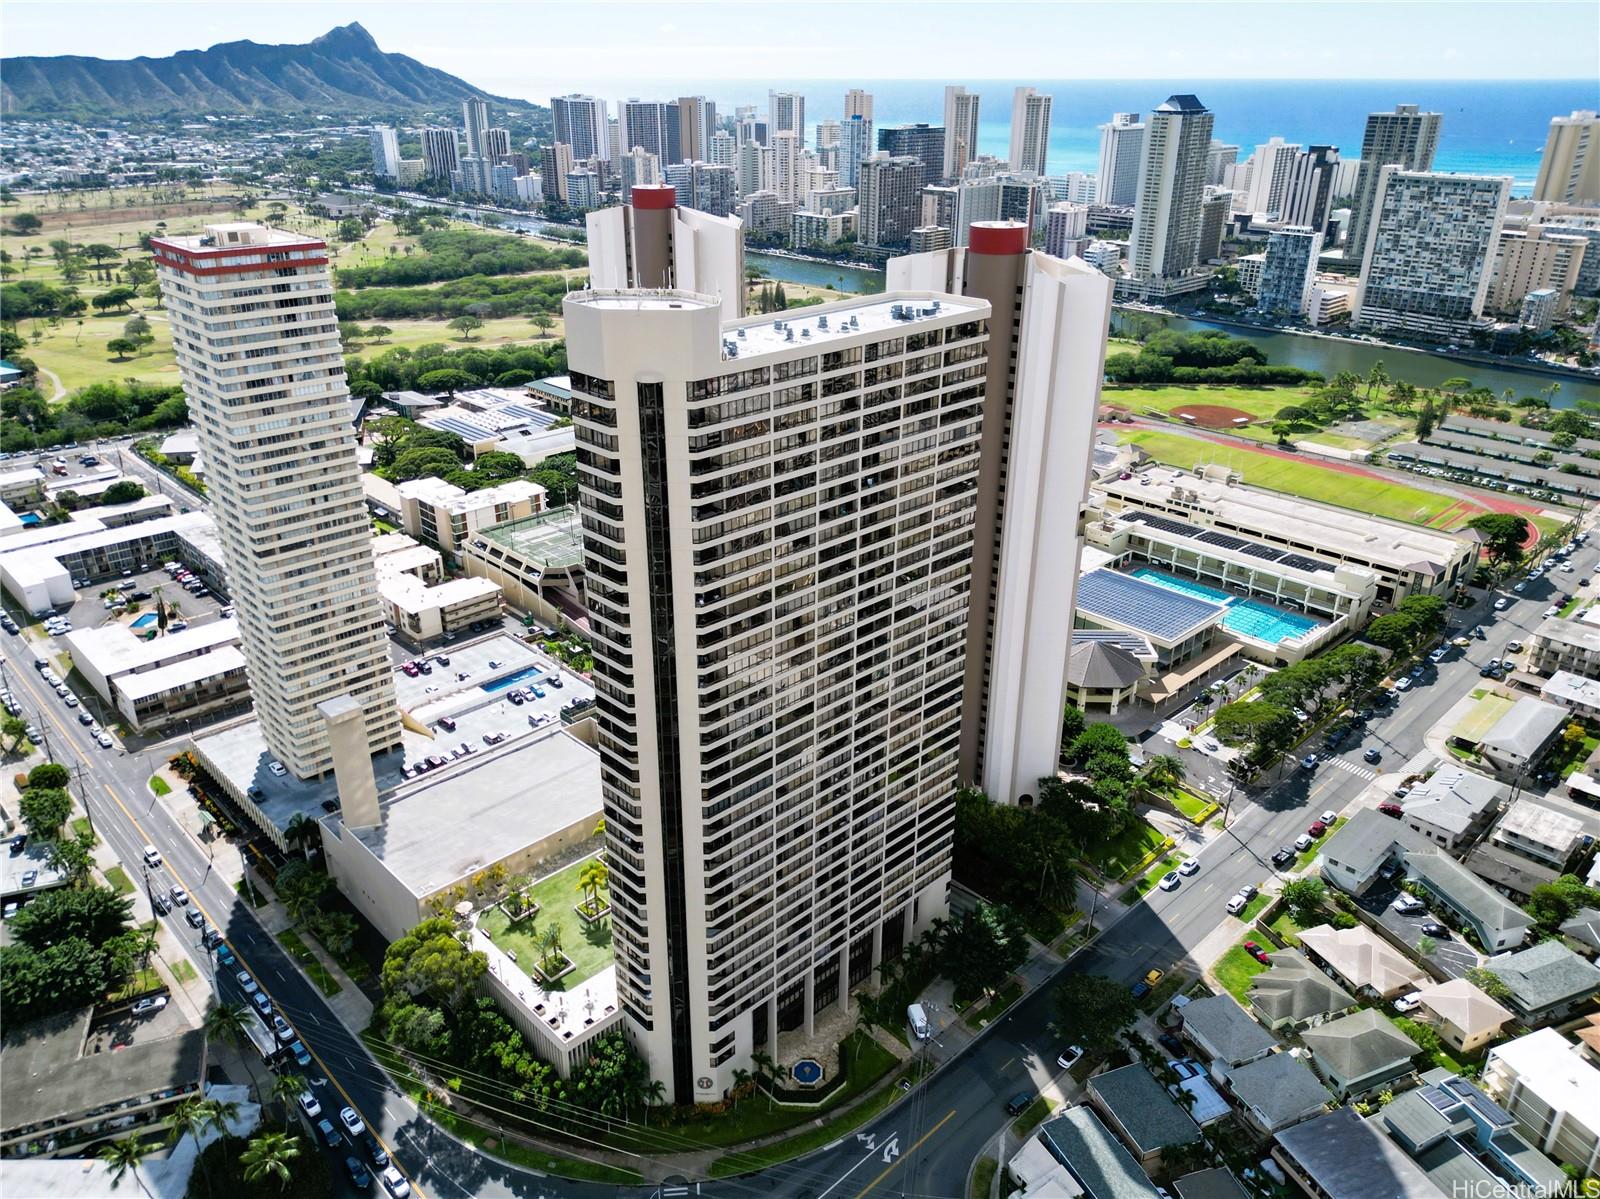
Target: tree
(448, 380)
(1427, 418)
(1488, 982)
(122, 348)
(195, 1116)
(49, 774)
(286, 1091)
(1552, 904)
(15, 731)
(124, 1154)
(543, 322)
(1072, 723)
(226, 1024)
(1377, 377)
(123, 491)
(1427, 946)
(1394, 631)
(269, 1153)
(421, 464)
(1091, 1010)
(45, 811)
(430, 962)
(304, 833)
(1258, 722)
(1165, 770)
(466, 325)
(24, 224)
(593, 879)
(94, 913)
(71, 857)
(983, 946)
(1503, 534)
(1305, 897)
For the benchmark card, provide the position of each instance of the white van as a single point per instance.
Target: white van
(918, 1019)
(152, 857)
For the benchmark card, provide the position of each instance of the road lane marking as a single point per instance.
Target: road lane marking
(900, 1161)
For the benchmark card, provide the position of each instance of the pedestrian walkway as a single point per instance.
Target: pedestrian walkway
(1361, 772)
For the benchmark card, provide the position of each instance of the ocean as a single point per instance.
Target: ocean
(1495, 128)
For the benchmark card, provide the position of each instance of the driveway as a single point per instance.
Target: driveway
(1453, 955)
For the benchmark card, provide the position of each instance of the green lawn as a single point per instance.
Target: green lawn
(182, 970)
(1571, 606)
(588, 945)
(977, 1017)
(142, 983)
(1284, 925)
(81, 829)
(1260, 402)
(117, 879)
(497, 331)
(1304, 859)
(1035, 1114)
(1303, 478)
(309, 962)
(1567, 756)
(1147, 881)
(1191, 805)
(1253, 908)
(1443, 1056)
(1235, 969)
(983, 1178)
(1117, 856)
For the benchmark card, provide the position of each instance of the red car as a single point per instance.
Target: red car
(1391, 809)
(1257, 952)
(1317, 828)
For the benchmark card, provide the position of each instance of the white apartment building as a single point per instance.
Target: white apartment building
(1406, 138)
(1121, 152)
(174, 676)
(1569, 171)
(960, 130)
(1065, 225)
(778, 533)
(1288, 270)
(786, 113)
(580, 122)
(441, 155)
(653, 241)
(257, 343)
(385, 151)
(1552, 1092)
(1271, 168)
(1429, 253)
(1163, 251)
(1559, 644)
(419, 601)
(788, 166)
(820, 228)
(446, 517)
(1535, 259)
(1030, 130)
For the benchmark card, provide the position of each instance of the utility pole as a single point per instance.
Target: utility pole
(83, 793)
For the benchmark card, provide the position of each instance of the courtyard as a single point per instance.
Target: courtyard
(587, 944)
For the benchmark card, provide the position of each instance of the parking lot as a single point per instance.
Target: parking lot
(1452, 955)
(122, 1028)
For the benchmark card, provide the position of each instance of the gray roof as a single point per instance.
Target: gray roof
(1150, 1116)
(1209, 1184)
(1453, 799)
(1579, 634)
(1368, 837)
(1544, 975)
(1227, 1028)
(1451, 1168)
(1104, 1169)
(1526, 728)
(1448, 876)
(1348, 1158)
(1503, 868)
(1102, 667)
(1584, 927)
(1357, 1045)
(1281, 1085)
(1144, 607)
(1419, 1123)
(1294, 989)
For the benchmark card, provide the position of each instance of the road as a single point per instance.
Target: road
(923, 1145)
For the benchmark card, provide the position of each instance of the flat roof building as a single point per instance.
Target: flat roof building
(537, 562)
(1553, 1093)
(446, 516)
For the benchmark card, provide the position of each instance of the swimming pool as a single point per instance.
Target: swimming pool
(511, 680)
(1247, 617)
(145, 621)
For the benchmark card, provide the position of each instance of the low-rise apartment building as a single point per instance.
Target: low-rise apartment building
(1539, 833)
(155, 682)
(1553, 1094)
(447, 517)
(1453, 806)
(1561, 644)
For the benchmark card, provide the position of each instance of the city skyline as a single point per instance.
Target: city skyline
(1194, 43)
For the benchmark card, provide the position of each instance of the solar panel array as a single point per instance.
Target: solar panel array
(454, 424)
(1135, 604)
(537, 417)
(1227, 541)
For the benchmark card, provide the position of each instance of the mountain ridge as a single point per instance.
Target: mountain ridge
(344, 71)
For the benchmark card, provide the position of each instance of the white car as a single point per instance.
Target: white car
(105, 740)
(309, 1105)
(1408, 905)
(1501, 604)
(1170, 881)
(1237, 904)
(352, 1122)
(180, 897)
(1304, 842)
(246, 983)
(1408, 1003)
(395, 1183)
(1329, 816)
(277, 768)
(1071, 1057)
(1191, 866)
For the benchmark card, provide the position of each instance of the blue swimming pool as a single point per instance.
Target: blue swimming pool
(145, 621)
(511, 680)
(1248, 617)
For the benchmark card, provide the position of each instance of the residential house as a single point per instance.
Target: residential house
(1548, 981)
(1495, 921)
(1354, 858)
(1465, 1142)
(1342, 1156)
(1540, 834)
(1453, 807)
(1140, 1111)
(1574, 692)
(1359, 1052)
(1583, 931)
(1361, 960)
(1465, 1018)
(1552, 1093)
(1518, 742)
(1215, 1183)
(1509, 873)
(1277, 1091)
(1091, 1162)
(1224, 1031)
(1295, 994)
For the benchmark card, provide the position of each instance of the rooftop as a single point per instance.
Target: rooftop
(1348, 1158)
(1526, 729)
(1553, 1068)
(1362, 958)
(1227, 1029)
(551, 539)
(1576, 633)
(848, 318)
(1453, 799)
(1095, 1158)
(1366, 839)
(1290, 564)
(1142, 607)
(113, 649)
(145, 683)
(1572, 689)
(1293, 989)
(1141, 1105)
(1281, 1086)
(1099, 666)
(1464, 1005)
(440, 494)
(1531, 821)
(238, 235)
(1467, 891)
(1215, 1183)
(1545, 975)
(1356, 1045)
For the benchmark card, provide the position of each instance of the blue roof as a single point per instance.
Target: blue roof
(1134, 604)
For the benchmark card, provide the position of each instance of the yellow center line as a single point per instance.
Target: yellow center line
(893, 1166)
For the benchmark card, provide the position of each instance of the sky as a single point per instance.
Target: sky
(534, 49)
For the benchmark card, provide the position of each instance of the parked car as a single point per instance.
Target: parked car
(1190, 866)
(1433, 928)
(1282, 856)
(359, 1178)
(1257, 952)
(1018, 1103)
(154, 1003)
(352, 1122)
(1500, 605)
(1317, 828)
(1409, 1002)
(1236, 904)
(1070, 1057)
(277, 768)
(1304, 842)
(1170, 881)
(309, 1105)
(1408, 905)
(1389, 808)
(246, 983)
(330, 1135)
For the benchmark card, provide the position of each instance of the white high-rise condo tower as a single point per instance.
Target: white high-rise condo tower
(385, 151)
(1406, 138)
(257, 342)
(778, 536)
(580, 122)
(1569, 172)
(1048, 343)
(475, 116)
(1030, 130)
(1121, 151)
(786, 111)
(960, 130)
(1164, 246)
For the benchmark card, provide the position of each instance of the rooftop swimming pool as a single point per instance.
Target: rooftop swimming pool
(511, 680)
(145, 621)
(1247, 617)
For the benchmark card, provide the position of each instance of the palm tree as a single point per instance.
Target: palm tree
(226, 1024)
(287, 1089)
(1377, 377)
(1165, 770)
(193, 1116)
(740, 1077)
(304, 833)
(161, 609)
(127, 1154)
(592, 879)
(269, 1153)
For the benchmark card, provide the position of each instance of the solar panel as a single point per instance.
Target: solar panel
(1267, 553)
(1226, 540)
(1301, 562)
(1135, 604)
(534, 416)
(454, 424)
(1168, 525)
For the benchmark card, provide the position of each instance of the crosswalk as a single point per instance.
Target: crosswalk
(1361, 772)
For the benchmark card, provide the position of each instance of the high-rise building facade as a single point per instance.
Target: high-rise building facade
(960, 131)
(697, 121)
(1406, 138)
(786, 113)
(1308, 195)
(655, 242)
(1065, 224)
(1569, 171)
(638, 167)
(555, 162)
(385, 151)
(1048, 325)
(1429, 253)
(788, 178)
(1220, 160)
(1288, 271)
(1030, 130)
(777, 664)
(889, 191)
(1535, 259)
(1164, 246)
(580, 122)
(1271, 166)
(1121, 152)
(257, 343)
(855, 146)
(857, 103)
(440, 154)
(642, 126)
(921, 141)
(475, 117)
(497, 144)
(723, 150)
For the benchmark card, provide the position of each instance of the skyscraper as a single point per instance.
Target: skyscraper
(1164, 246)
(1271, 166)
(1220, 159)
(723, 149)
(1569, 171)
(654, 241)
(778, 664)
(440, 152)
(496, 144)
(580, 122)
(786, 112)
(855, 145)
(1406, 138)
(697, 121)
(787, 166)
(1030, 130)
(1121, 151)
(638, 167)
(889, 188)
(475, 116)
(923, 142)
(960, 130)
(555, 161)
(385, 151)
(274, 425)
(1288, 271)
(1065, 226)
(642, 126)
(1042, 393)
(1429, 253)
(1308, 194)
(755, 168)
(857, 103)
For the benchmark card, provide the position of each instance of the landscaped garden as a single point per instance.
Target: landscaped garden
(1235, 969)
(586, 944)
(1115, 856)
